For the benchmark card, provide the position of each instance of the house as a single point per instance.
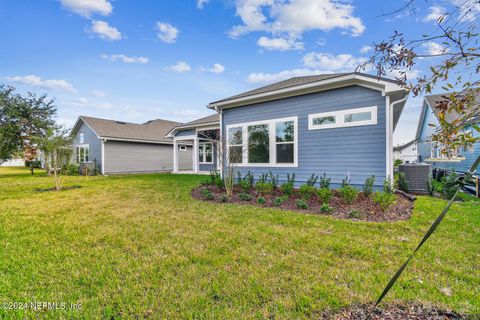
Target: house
(407, 152)
(430, 152)
(14, 162)
(340, 124)
(122, 147)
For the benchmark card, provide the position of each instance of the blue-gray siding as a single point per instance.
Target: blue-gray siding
(210, 167)
(357, 151)
(425, 146)
(95, 144)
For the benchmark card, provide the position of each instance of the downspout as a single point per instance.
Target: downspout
(390, 135)
(220, 144)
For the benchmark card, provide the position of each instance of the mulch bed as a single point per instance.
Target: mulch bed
(394, 312)
(363, 208)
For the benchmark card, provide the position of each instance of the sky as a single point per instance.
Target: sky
(141, 60)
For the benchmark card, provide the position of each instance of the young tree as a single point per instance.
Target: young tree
(23, 120)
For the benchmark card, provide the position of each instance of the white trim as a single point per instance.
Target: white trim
(83, 146)
(190, 137)
(195, 155)
(103, 156)
(340, 118)
(137, 140)
(182, 147)
(76, 123)
(272, 143)
(220, 145)
(204, 154)
(388, 140)
(175, 155)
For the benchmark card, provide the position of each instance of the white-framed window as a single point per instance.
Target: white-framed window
(343, 118)
(82, 153)
(205, 152)
(182, 148)
(437, 152)
(81, 137)
(268, 143)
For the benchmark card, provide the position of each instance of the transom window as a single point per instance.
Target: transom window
(82, 154)
(343, 118)
(205, 152)
(263, 143)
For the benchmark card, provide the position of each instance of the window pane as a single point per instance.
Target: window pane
(361, 116)
(82, 154)
(235, 154)
(200, 153)
(235, 136)
(285, 153)
(82, 137)
(77, 155)
(208, 153)
(284, 131)
(324, 120)
(86, 154)
(258, 144)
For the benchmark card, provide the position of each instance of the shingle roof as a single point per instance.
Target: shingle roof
(208, 119)
(405, 145)
(153, 130)
(296, 81)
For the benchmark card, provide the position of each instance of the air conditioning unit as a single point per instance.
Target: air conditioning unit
(416, 175)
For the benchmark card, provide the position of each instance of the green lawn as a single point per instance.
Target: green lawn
(133, 246)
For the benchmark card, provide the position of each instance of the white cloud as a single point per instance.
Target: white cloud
(201, 3)
(104, 31)
(36, 81)
(180, 66)
(338, 63)
(124, 58)
(166, 32)
(433, 48)
(81, 100)
(435, 13)
(289, 19)
(264, 78)
(98, 94)
(469, 9)
(365, 49)
(279, 44)
(217, 68)
(87, 8)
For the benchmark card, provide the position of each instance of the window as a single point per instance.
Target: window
(205, 152)
(269, 143)
(183, 148)
(437, 152)
(82, 154)
(343, 118)
(235, 145)
(81, 137)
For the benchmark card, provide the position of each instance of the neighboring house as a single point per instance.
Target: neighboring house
(122, 147)
(431, 152)
(340, 124)
(407, 152)
(16, 162)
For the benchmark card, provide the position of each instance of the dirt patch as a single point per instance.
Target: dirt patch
(55, 190)
(363, 208)
(394, 312)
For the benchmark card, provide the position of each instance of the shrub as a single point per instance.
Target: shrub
(326, 208)
(402, 182)
(291, 178)
(223, 198)
(387, 186)
(397, 162)
(306, 191)
(207, 194)
(261, 200)
(220, 183)
(264, 187)
(245, 196)
(368, 187)
(273, 180)
(71, 169)
(37, 164)
(262, 178)
(245, 185)
(324, 181)
(430, 185)
(348, 193)
(278, 201)
(312, 180)
(287, 188)
(301, 204)
(214, 176)
(385, 200)
(325, 195)
(450, 185)
(354, 214)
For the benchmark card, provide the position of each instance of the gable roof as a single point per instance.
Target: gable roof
(405, 145)
(306, 84)
(214, 118)
(150, 131)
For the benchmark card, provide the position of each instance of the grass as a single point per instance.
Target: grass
(135, 246)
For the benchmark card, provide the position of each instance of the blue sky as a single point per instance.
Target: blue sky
(140, 60)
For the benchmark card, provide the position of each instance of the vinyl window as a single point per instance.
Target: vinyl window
(343, 118)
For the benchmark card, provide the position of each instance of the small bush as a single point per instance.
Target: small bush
(430, 185)
(207, 194)
(278, 201)
(325, 195)
(261, 200)
(287, 188)
(368, 187)
(273, 180)
(312, 180)
(348, 193)
(213, 177)
(291, 178)
(354, 214)
(402, 182)
(220, 183)
(264, 187)
(223, 198)
(387, 186)
(245, 185)
(397, 162)
(450, 185)
(301, 204)
(307, 191)
(245, 196)
(385, 200)
(326, 208)
(71, 170)
(324, 181)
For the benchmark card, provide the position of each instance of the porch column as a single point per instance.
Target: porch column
(195, 154)
(175, 155)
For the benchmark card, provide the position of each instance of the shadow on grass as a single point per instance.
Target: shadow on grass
(55, 190)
